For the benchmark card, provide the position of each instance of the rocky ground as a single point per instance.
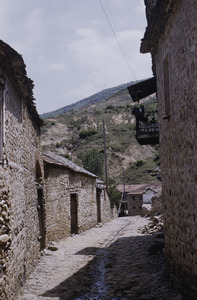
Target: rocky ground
(110, 262)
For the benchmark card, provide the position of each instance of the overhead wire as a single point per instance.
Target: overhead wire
(67, 13)
(117, 40)
(116, 28)
(63, 42)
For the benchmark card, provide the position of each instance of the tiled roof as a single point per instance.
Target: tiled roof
(65, 163)
(15, 67)
(139, 189)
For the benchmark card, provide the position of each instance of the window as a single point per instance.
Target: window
(133, 198)
(166, 86)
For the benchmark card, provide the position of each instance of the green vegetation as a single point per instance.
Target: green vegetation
(139, 163)
(114, 194)
(58, 145)
(140, 172)
(98, 97)
(85, 133)
(85, 146)
(93, 161)
(67, 156)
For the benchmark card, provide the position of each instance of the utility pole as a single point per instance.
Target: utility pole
(105, 155)
(124, 195)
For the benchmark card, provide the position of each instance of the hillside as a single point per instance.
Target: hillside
(98, 97)
(75, 133)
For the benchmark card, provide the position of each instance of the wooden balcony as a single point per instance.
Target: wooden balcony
(147, 133)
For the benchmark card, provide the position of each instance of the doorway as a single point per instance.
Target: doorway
(74, 213)
(98, 203)
(41, 216)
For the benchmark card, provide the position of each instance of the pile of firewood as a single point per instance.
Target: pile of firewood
(155, 225)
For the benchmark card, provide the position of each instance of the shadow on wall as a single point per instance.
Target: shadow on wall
(130, 267)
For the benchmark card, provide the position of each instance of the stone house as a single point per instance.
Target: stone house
(42, 199)
(75, 199)
(171, 39)
(139, 196)
(134, 202)
(21, 170)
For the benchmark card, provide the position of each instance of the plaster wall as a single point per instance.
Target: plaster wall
(147, 196)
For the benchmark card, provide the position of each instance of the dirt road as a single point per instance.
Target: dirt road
(110, 262)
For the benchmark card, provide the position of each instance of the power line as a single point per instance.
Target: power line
(63, 43)
(67, 13)
(114, 33)
(115, 26)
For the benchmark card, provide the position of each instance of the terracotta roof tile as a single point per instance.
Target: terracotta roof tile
(138, 189)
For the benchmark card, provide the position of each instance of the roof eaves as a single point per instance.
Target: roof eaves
(65, 163)
(142, 89)
(156, 27)
(16, 67)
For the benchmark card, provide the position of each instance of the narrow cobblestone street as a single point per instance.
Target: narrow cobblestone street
(109, 262)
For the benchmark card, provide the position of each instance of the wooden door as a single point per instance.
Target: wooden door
(41, 216)
(74, 213)
(98, 203)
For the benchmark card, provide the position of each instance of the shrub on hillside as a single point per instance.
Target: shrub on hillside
(87, 132)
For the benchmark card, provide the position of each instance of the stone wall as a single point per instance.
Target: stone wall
(57, 206)
(19, 224)
(178, 142)
(60, 184)
(107, 213)
(134, 203)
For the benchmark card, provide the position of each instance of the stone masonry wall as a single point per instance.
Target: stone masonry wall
(107, 213)
(60, 183)
(18, 196)
(57, 206)
(86, 200)
(178, 141)
(134, 206)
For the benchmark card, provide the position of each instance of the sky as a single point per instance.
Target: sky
(75, 48)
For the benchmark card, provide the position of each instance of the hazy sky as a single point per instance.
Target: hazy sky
(75, 48)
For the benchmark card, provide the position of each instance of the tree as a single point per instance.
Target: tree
(93, 162)
(113, 193)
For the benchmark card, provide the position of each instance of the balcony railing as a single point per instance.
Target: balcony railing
(147, 131)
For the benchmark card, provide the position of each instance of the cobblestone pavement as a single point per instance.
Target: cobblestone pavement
(110, 262)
